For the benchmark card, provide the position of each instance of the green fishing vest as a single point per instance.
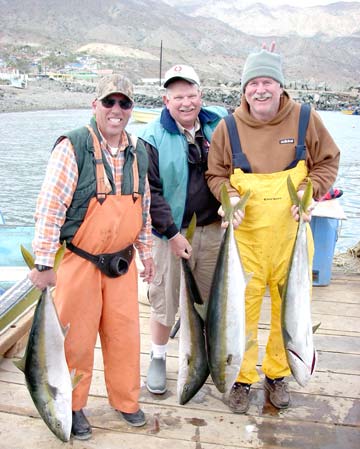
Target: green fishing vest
(82, 143)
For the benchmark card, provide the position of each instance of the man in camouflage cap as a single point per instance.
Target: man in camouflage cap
(96, 198)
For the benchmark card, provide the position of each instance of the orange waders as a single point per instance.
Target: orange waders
(92, 302)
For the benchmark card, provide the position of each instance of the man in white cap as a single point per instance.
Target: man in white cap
(266, 139)
(178, 143)
(96, 198)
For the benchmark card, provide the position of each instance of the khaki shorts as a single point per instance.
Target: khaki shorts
(165, 288)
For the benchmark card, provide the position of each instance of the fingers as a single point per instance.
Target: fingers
(238, 218)
(180, 247)
(42, 279)
(221, 212)
(306, 216)
(271, 46)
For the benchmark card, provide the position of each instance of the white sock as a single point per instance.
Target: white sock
(158, 351)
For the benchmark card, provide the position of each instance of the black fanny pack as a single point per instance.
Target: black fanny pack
(113, 264)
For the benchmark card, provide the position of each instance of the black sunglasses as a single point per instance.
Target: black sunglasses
(194, 154)
(110, 102)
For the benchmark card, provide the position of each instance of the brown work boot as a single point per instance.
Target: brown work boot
(239, 397)
(278, 390)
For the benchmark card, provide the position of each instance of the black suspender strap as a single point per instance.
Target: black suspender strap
(238, 157)
(300, 148)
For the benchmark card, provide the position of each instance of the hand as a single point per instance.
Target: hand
(149, 270)
(42, 279)
(271, 47)
(237, 217)
(180, 247)
(306, 216)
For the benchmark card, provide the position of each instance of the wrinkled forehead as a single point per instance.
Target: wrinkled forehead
(182, 87)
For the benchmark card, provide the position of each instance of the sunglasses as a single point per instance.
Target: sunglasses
(196, 156)
(110, 103)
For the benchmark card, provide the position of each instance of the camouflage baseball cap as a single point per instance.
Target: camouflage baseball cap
(114, 84)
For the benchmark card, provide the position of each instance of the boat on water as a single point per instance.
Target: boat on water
(18, 296)
(12, 267)
(355, 111)
(145, 115)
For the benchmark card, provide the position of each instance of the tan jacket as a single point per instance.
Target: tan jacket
(270, 147)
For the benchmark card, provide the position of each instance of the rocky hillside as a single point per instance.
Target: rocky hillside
(335, 20)
(216, 39)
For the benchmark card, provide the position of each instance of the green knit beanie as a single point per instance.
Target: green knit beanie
(262, 64)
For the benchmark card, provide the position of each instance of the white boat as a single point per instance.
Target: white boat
(20, 82)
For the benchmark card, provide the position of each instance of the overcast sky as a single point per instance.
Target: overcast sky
(303, 3)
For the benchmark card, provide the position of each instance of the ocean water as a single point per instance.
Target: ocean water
(26, 139)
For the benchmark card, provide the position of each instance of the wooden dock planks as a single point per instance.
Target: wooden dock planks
(324, 415)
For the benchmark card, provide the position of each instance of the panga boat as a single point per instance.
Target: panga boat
(351, 111)
(17, 294)
(145, 115)
(12, 266)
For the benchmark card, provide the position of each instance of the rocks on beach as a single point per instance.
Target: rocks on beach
(42, 94)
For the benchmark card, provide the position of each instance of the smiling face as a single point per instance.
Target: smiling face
(183, 100)
(263, 96)
(111, 121)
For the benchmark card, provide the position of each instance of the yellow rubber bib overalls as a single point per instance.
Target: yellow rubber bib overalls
(92, 302)
(265, 239)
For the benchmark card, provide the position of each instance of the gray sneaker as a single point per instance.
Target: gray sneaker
(278, 390)
(239, 400)
(156, 377)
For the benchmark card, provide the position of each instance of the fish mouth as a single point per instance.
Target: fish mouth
(313, 362)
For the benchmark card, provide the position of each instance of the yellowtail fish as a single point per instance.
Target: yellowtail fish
(296, 322)
(193, 366)
(225, 316)
(44, 365)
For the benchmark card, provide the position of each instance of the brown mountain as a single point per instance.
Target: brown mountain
(135, 28)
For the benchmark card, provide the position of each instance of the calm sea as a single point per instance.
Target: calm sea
(27, 137)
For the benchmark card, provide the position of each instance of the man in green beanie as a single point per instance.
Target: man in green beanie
(257, 148)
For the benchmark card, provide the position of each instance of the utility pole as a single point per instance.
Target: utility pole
(160, 63)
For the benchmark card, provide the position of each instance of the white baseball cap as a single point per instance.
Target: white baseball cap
(180, 71)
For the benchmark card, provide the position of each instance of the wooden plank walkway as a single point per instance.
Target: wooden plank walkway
(324, 415)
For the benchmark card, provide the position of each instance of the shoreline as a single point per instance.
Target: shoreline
(51, 95)
(38, 96)
(48, 94)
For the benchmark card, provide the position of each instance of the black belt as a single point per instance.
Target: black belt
(112, 264)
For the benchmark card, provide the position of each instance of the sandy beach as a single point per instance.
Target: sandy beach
(42, 95)
(48, 94)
